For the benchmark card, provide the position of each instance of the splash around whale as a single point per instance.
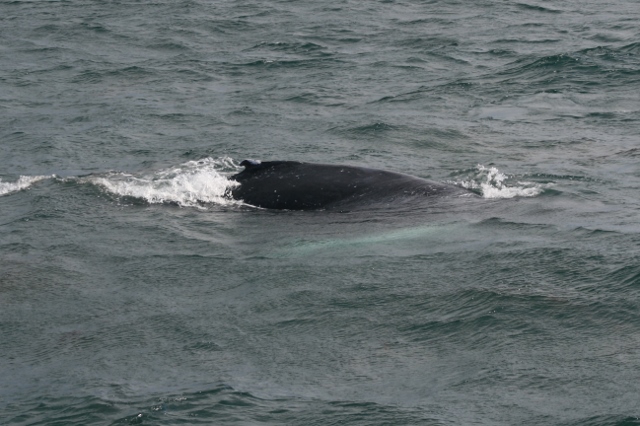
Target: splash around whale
(293, 185)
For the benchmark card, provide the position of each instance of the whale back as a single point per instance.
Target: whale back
(296, 185)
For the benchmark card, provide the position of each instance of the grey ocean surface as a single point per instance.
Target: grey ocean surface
(133, 292)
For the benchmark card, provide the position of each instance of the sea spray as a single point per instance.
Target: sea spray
(191, 184)
(492, 183)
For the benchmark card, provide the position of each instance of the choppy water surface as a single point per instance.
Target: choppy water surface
(133, 292)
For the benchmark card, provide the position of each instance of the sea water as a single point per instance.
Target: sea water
(132, 291)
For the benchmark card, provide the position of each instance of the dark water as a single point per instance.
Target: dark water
(131, 292)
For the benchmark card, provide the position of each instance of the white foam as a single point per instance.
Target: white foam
(492, 183)
(23, 182)
(192, 184)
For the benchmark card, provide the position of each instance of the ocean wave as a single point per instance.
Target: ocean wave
(586, 67)
(23, 182)
(297, 48)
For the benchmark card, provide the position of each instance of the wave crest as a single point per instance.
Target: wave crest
(23, 182)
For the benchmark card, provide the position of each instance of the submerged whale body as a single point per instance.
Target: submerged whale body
(294, 185)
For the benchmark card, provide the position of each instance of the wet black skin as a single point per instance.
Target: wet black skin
(295, 185)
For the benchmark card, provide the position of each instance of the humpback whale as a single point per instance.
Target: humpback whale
(294, 185)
